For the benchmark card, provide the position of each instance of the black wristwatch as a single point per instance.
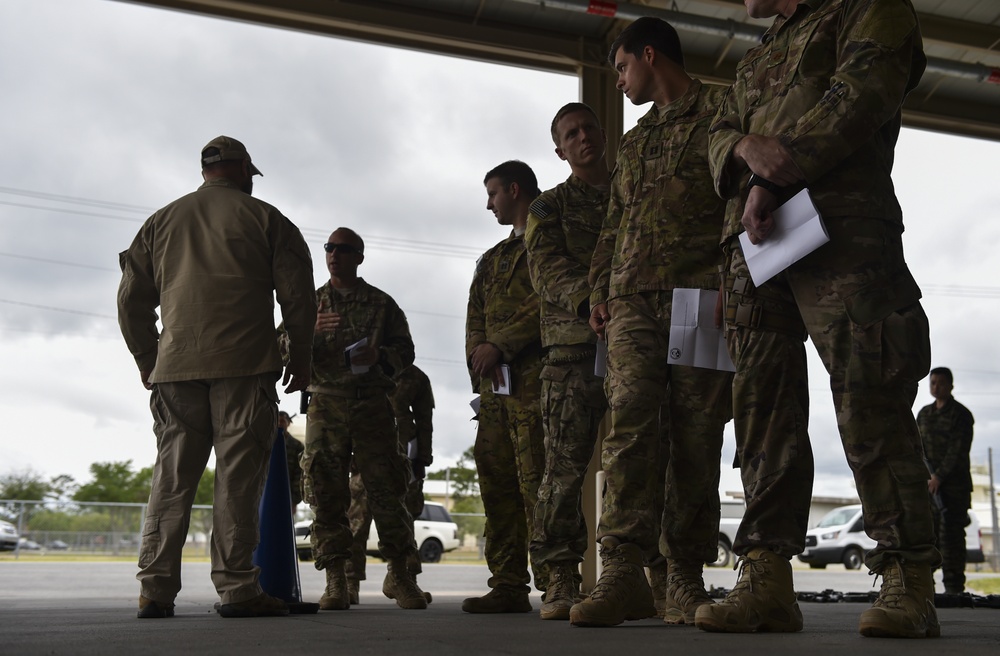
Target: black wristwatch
(757, 181)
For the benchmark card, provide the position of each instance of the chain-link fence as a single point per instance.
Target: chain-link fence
(88, 529)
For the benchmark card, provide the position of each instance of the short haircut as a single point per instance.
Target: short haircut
(944, 372)
(283, 414)
(517, 171)
(649, 31)
(569, 108)
(361, 242)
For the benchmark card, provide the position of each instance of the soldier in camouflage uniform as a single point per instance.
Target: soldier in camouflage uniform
(413, 406)
(817, 104)
(661, 233)
(946, 434)
(293, 452)
(502, 328)
(349, 414)
(563, 226)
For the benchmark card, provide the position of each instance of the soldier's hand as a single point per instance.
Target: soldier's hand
(485, 358)
(144, 377)
(757, 218)
(599, 318)
(419, 471)
(768, 158)
(327, 322)
(934, 484)
(296, 377)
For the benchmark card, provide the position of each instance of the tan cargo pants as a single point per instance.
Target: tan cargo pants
(238, 418)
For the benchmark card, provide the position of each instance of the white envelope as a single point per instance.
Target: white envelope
(349, 351)
(694, 339)
(798, 231)
(601, 359)
(503, 388)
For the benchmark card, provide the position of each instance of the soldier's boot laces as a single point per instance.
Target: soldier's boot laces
(562, 592)
(354, 591)
(622, 593)
(763, 598)
(500, 599)
(658, 584)
(401, 586)
(905, 604)
(685, 592)
(336, 595)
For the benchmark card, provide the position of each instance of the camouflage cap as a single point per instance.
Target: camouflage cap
(229, 149)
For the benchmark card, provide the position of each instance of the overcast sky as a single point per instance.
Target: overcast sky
(106, 106)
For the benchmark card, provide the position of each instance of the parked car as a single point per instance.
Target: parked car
(8, 536)
(732, 515)
(434, 533)
(30, 545)
(840, 538)
(58, 545)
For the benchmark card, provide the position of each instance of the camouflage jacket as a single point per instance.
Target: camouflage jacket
(947, 437)
(664, 219)
(829, 82)
(503, 307)
(413, 405)
(365, 311)
(563, 227)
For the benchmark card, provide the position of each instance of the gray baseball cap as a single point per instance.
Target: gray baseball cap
(228, 149)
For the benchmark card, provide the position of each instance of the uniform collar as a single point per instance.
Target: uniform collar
(679, 107)
(220, 182)
(803, 8)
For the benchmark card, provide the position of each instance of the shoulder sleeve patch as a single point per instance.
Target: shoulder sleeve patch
(889, 23)
(540, 208)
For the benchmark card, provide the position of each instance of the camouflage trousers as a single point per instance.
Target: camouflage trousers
(510, 458)
(652, 403)
(360, 519)
(858, 303)
(950, 520)
(365, 428)
(573, 405)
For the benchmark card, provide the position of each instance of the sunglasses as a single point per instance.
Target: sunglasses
(345, 249)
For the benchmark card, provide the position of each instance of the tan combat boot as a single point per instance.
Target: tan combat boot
(685, 592)
(399, 585)
(658, 585)
(562, 592)
(905, 604)
(354, 591)
(622, 593)
(762, 600)
(501, 599)
(335, 596)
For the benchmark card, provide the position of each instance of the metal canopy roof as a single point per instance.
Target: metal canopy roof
(959, 93)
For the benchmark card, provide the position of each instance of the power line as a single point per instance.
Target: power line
(76, 200)
(62, 262)
(57, 309)
(67, 211)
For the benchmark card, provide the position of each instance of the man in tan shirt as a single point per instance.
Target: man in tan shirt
(213, 261)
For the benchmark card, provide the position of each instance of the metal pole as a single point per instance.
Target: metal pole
(995, 556)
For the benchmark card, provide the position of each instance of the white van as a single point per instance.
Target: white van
(840, 538)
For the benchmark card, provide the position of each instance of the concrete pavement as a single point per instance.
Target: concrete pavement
(89, 608)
